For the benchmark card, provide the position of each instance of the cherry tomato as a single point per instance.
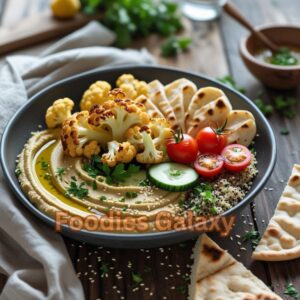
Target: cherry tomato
(182, 148)
(209, 141)
(236, 157)
(209, 165)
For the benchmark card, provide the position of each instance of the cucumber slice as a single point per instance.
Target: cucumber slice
(173, 177)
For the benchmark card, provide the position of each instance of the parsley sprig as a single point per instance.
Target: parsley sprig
(77, 190)
(114, 175)
(175, 45)
(132, 18)
(228, 80)
(291, 291)
(253, 236)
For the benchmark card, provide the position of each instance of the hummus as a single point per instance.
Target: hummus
(45, 175)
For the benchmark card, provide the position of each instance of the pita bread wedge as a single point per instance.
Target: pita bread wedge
(160, 100)
(179, 94)
(216, 275)
(242, 127)
(281, 240)
(151, 108)
(208, 106)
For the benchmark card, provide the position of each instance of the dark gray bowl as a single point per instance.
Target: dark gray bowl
(32, 114)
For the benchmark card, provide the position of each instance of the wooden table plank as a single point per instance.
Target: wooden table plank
(268, 12)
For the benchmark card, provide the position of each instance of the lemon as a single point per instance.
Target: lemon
(65, 8)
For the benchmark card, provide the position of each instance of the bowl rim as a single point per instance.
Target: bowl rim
(245, 52)
(15, 187)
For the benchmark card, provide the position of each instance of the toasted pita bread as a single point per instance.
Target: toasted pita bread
(216, 275)
(214, 112)
(281, 240)
(160, 100)
(151, 108)
(179, 94)
(242, 127)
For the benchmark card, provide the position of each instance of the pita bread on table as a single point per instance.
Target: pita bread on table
(179, 94)
(216, 275)
(151, 108)
(160, 100)
(208, 106)
(242, 127)
(281, 240)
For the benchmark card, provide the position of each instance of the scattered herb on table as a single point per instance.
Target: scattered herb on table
(253, 236)
(228, 80)
(266, 109)
(175, 45)
(104, 270)
(284, 131)
(77, 190)
(131, 195)
(132, 18)
(286, 105)
(60, 172)
(136, 278)
(291, 291)
(284, 57)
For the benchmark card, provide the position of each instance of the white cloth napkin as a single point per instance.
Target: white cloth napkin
(32, 255)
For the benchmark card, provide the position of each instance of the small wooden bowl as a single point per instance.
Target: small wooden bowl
(278, 77)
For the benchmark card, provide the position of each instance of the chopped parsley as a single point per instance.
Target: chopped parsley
(60, 172)
(228, 80)
(136, 278)
(253, 236)
(94, 185)
(104, 270)
(47, 176)
(114, 175)
(18, 172)
(175, 45)
(103, 198)
(144, 182)
(122, 199)
(284, 131)
(175, 172)
(124, 208)
(266, 109)
(283, 57)
(78, 190)
(286, 105)
(131, 195)
(291, 291)
(44, 165)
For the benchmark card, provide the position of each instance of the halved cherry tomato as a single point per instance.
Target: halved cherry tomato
(236, 157)
(182, 148)
(209, 141)
(209, 165)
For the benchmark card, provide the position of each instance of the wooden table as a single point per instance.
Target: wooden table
(108, 273)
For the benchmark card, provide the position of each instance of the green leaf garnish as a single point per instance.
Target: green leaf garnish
(228, 80)
(136, 278)
(266, 109)
(18, 172)
(291, 291)
(78, 190)
(59, 172)
(174, 46)
(175, 172)
(253, 236)
(104, 270)
(284, 131)
(286, 105)
(131, 195)
(283, 57)
(44, 165)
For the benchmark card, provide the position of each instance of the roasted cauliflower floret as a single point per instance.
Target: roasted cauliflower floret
(160, 131)
(118, 153)
(134, 137)
(91, 148)
(65, 8)
(132, 87)
(97, 93)
(77, 135)
(150, 155)
(58, 112)
(118, 116)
